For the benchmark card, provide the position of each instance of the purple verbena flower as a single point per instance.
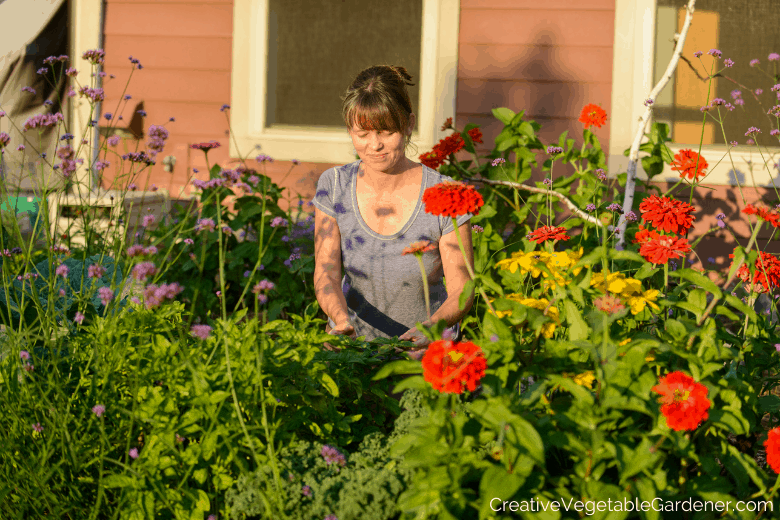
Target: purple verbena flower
(498, 161)
(98, 409)
(201, 331)
(332, 455)
(133, 453)
(96, 271)
(306, 490)
(590, 207)
(37, 427)
(78, 318)
(62, 270)
(105, 294)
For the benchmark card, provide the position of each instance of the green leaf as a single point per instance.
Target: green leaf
(769, 403)
(329, 384)
(699, 279)
(200, 475)
(578, 329)
(504, 115)
(218, 396)
(398, 367)
(203, 503)
(118, 481)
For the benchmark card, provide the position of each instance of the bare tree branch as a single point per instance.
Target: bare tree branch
(633, 156)
(569, 204)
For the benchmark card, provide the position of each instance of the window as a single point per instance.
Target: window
(644, 43)
(293, 60)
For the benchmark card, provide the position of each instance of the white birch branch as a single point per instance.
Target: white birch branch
(633, 157)
(569, 204)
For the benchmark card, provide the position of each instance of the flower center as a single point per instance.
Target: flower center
(681, 395)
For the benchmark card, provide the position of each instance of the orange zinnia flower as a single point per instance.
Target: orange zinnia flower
(548, 233)
(593, 115)
(684, 402)
(423, 246)
(761, 281)
(450, 367)
(685, 163)
(660, 250)
(452, 199)
(667, 214)
(772, 446)
(763, 213)
(609, 303)
(643, 235)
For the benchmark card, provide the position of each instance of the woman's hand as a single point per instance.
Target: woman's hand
(345, 328)
(416, 337)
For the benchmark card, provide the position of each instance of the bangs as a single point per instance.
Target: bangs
(373, 117)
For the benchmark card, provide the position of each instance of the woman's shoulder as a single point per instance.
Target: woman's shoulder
(339, 175)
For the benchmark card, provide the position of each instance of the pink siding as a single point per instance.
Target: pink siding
(545, 59)
(549, 58)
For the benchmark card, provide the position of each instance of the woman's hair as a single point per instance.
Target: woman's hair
(378, 100)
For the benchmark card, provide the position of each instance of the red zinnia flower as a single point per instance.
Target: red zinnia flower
(475, 134)
(450, 367)
(684, 402)
(451, 144)
(593, 115)
(685, 163)
(643, 235)
(548, 233)
(761, 281)
(763, 213)
(452, 199)
(447, 124)
(660, 250)
(772, 446)
(609, 303)
(666, 214)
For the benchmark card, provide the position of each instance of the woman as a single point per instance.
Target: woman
(368, 211)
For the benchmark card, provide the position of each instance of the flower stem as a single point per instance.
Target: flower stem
(468, 266)
(425, 285)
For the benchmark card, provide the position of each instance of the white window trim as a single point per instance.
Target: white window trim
(632, 81)
(437, 83)
(84, 36)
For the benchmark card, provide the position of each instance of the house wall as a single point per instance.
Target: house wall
(185, 48)
(550, 59)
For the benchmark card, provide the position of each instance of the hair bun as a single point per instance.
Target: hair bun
(401, 71)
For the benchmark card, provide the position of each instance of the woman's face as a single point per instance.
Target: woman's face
(381, 150)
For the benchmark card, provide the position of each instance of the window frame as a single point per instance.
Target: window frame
(437, 81)
(632, 80)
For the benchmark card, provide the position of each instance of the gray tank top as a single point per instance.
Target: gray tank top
(383, 287)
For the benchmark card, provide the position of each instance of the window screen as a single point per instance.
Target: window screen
(316, 49)
(742, 30)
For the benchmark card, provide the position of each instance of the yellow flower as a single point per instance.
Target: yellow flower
(585, 379)
(541, 304)
(638, 302)
(625, 342)
(649, 358)
(552, 312)
(615, 282)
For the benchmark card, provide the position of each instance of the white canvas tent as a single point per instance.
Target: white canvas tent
(31, 31)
